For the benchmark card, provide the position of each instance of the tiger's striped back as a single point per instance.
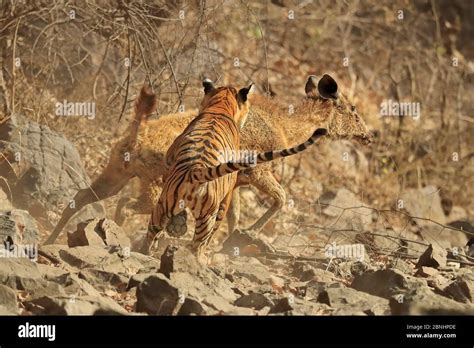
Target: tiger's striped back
(196, 177)
(214, 130)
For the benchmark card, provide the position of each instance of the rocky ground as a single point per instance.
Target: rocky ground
(97, 273)
(333, 255)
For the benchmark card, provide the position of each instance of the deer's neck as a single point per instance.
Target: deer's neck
(303, 121)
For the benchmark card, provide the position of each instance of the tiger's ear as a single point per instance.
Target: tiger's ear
(244, 92)
(208, 86)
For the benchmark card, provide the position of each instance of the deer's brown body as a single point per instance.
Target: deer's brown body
(269, 126)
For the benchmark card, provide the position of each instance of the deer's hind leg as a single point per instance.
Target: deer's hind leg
(127, 207)
(108, 184)
(265, 182)
(233, 213)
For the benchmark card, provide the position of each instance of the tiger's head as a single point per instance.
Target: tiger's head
(226, 100)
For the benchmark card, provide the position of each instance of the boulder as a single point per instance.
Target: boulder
(461, 289)
(434, 256)
(346, 210)
(103, 280)
(423, 301)
(344, 298)
(306, 272)
(19, 273)
(17, 227)
(98, 232)
(85, 305)
(424, 203)
(156, 295)
(254, 300)
(251, 269)
(113, 260)
(240, 243)
(8, 302)
(291, 305)
(43, 171)
(386, 283)
(182, 294)
(313, 288)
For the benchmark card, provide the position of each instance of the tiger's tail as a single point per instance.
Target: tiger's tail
(208, 174)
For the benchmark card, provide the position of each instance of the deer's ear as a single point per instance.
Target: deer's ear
(208, 86)
(311, 87)
(327, 87)
(324, 87)
(243, 93)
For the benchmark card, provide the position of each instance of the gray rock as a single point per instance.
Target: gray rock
(352, 311)
(8, 299)
(386, 283)
(305, 272)
(156, 295)
(98, 232)
(313, 288)
(241, 242)
(434, 256)
(136, 279)
(401, 265)
(19, 273)
(254, 300)
(424, 203)
(346, 209)
(423, 301)
(103, 280)
(48, 174)
(296, 306)
(107, 259)
(283, 305)
(344, 298)
(18, 228)
(215, 293)
(85, 305)
(202, 292)
(462, 288)
(251, 269)
(193, 307)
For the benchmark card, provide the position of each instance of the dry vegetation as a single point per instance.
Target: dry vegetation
(103, 51)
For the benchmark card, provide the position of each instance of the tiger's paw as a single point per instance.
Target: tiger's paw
(177, 226)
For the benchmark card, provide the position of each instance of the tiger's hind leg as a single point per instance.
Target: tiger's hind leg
(206, 226)
(157, 222)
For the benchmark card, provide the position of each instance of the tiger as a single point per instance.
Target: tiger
(197, 178)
